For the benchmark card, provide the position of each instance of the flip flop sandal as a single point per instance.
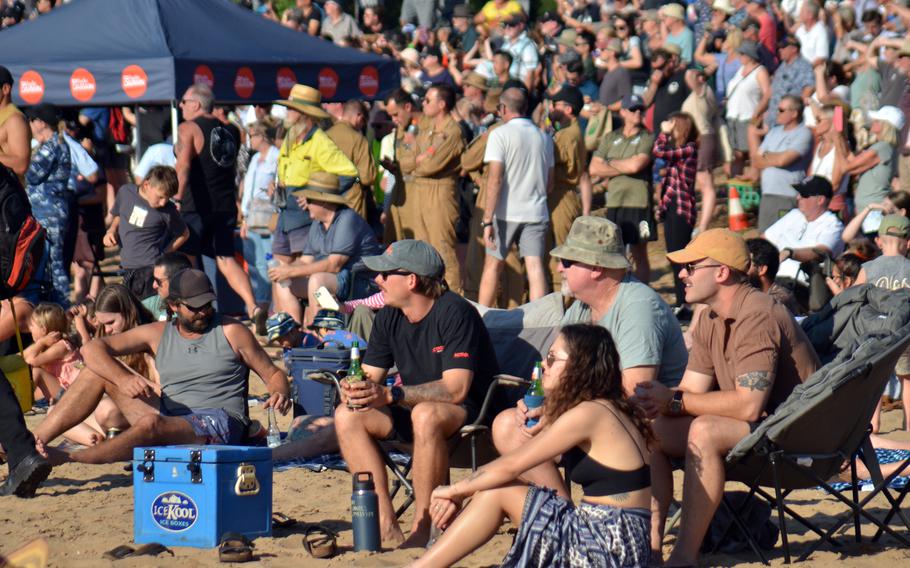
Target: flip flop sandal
(235, 547)
(282, 521)
(152, 549)
(320, 541)
(121, 551)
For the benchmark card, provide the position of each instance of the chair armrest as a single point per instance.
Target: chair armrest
(511, 381)
(325, 377)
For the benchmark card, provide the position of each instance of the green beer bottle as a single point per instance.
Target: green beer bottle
(536, 385)
(355, 371)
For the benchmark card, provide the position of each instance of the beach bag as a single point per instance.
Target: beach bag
(260, 215)
(22, 238)
(598, 125)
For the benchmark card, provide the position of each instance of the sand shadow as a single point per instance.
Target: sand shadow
(104, 482)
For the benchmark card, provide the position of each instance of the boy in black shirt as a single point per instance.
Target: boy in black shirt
(444, 354)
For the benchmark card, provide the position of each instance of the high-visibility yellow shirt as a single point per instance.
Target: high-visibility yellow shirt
(315, 153)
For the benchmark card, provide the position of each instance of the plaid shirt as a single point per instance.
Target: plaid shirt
(679, 183)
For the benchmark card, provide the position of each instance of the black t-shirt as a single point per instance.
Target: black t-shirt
(669, 98)
(451, 336)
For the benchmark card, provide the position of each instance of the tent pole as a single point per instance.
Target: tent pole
(173, 123)
(137, 143)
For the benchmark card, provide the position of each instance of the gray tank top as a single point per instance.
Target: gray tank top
(201, 373)
(890, 272)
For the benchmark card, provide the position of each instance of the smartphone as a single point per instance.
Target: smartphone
(838, 118)
(325, 299)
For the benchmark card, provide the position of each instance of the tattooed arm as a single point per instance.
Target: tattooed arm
(452, 388)
(746, 402)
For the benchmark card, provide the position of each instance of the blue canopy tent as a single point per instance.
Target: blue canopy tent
(117, 52)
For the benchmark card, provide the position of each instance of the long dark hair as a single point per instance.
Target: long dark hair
(592, 372)
(117, 299)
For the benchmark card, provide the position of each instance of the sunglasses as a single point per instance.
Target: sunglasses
(199, 309)
(566, 263)
(159, 281)
(184, 101)
(386, 273)
(691, 267)
(552, 358)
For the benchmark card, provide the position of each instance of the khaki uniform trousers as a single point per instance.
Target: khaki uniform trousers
(435, 214)
(565, 206)
(401, 213)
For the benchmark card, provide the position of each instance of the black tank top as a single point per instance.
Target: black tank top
(598, 480)
(213, 187)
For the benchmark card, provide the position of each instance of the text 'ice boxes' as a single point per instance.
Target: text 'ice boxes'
(192, 495)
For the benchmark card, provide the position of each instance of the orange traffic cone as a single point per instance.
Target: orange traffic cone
(737, 215)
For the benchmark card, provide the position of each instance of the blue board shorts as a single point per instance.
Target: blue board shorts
(216, 425)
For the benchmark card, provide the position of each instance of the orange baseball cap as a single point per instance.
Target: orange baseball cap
(722, 245)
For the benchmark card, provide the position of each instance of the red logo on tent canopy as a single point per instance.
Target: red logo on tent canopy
(31, 87)
(204, 76)
(244, 82)
(82, 85)
(134, 81)
(285, 80)
(369, 81)
(328, 82)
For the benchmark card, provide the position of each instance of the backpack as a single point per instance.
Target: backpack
(22, 238)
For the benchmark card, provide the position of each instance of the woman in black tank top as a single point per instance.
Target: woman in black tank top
(590, 422)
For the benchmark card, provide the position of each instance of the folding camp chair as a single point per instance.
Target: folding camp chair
(821, 426)
(519, 337)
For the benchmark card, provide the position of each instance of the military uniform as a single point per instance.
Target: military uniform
(513, 278)
(355, 146)
(433, 189)
(564, 202)
(401, 211)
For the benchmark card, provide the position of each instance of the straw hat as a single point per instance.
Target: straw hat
(306, 100)
(475, 79)
(322, 186)
(491, 100)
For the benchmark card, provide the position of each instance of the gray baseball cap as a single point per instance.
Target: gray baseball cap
(409, 255)
(595, 241)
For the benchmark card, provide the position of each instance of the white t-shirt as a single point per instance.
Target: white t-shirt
(527, 154)
(813, 42)
(161, 154)
(793, 231)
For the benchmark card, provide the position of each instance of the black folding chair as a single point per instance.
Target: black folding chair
(820, 427)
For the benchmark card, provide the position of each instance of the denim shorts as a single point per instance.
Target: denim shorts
(216, 425)
(353, 287)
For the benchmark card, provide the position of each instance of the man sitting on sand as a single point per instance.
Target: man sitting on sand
(747, 355)
(203, 361)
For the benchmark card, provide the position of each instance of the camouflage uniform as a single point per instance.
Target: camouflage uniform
(48, 178)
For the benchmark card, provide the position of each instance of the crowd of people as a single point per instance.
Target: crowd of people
(525, 153)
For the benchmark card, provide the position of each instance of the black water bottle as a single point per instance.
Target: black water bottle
(365, 513)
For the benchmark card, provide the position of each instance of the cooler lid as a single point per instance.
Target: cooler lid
(209, 454)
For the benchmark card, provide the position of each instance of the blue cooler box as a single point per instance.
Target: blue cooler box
(310, 397)
(192, 495)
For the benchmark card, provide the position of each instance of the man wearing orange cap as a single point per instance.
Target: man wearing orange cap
(751, 348)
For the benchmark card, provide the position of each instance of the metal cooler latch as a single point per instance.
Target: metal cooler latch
(147, 467)
(194, 466)
(247, 483)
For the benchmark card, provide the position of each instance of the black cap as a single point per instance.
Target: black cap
(45, 112)
(549, 16)
(633, 102)
(433, 51)
(192, 287)
(6, 78)
(789, 41)
(513, 20)
(572, 96)
(814, 185)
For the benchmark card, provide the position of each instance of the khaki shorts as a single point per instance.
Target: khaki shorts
(902, 369)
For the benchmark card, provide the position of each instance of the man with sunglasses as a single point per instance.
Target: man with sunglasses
(203, 361)
(747, 355)
(443, 352)
(595, 271)
(782, 157)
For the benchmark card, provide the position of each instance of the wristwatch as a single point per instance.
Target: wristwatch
(676, 404)
(485, 224)
(789, 252)
(397, 395)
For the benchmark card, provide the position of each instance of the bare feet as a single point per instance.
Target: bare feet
(420, 535)
(56, 456)
(393, 536)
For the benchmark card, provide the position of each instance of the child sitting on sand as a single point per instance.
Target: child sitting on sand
(56, 362)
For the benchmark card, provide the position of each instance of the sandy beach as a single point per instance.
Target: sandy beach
(85, 510)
